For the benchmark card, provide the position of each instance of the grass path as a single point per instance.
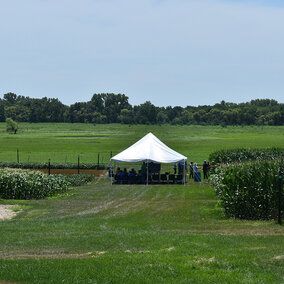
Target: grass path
(146, 234)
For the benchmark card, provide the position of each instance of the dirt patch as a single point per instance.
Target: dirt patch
(6, 212)
(170, 249)
(98, 253)
(6, 282)
(278, 257)
(203, 260)
(50, 255)
(226, 232)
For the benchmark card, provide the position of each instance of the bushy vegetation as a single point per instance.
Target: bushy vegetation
(24, 184)
(248, 190)
(77, 180)
(246, 154)
(33, 165)
(115, 108)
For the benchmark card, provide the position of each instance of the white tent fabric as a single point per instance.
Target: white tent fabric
(151, 149)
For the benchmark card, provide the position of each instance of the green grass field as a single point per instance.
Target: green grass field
(100, 233)
(64, 142)
(124, 234)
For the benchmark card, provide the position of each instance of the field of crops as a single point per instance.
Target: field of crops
(98, 233)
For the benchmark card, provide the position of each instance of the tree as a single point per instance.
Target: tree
(146, 113)
(2, 116)
(186, 117)
(161, 117)
(98, 118)
(10, 98)
(126, 116)
(11, 125)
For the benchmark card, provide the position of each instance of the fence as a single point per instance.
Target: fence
(99, 158)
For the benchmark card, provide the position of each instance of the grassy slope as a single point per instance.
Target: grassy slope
(63, 142)
(126, 234)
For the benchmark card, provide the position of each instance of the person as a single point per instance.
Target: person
(110, 172)
(205, 169)
(208, 168)
(191, 170)
(144, 172)
(124, 176)
(180, 168)
(197, 176)
(195, 168)
(117, 171)
(132, 175)
(144, 168)
(124, 173)
(117, 175)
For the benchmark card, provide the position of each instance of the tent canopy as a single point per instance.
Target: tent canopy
(151, 149)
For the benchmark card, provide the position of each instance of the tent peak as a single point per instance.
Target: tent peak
(149, 148)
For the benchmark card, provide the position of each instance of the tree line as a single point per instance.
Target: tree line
(115, 108)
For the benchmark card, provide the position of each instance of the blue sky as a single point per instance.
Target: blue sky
(171, 52)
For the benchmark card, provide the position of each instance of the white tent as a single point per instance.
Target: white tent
(149, 149)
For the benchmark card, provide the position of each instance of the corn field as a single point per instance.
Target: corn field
(26, 184)
(248, 190)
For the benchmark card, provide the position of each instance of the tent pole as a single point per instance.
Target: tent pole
(183, 172)
(147, 172)
(110, 172)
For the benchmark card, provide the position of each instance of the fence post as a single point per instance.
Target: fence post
(110, 154)
(98, 159)
(18, 158)
(78, 164)
(49, 167)
(280, 178)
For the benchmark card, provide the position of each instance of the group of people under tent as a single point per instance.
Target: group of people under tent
(179, 168)
(132, 176)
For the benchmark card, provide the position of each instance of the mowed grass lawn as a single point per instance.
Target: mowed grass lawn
(63, 142)
(100, 233)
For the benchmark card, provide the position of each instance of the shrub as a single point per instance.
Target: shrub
(243, 155)
(77, 180)
(248, 190)
(24, 184)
